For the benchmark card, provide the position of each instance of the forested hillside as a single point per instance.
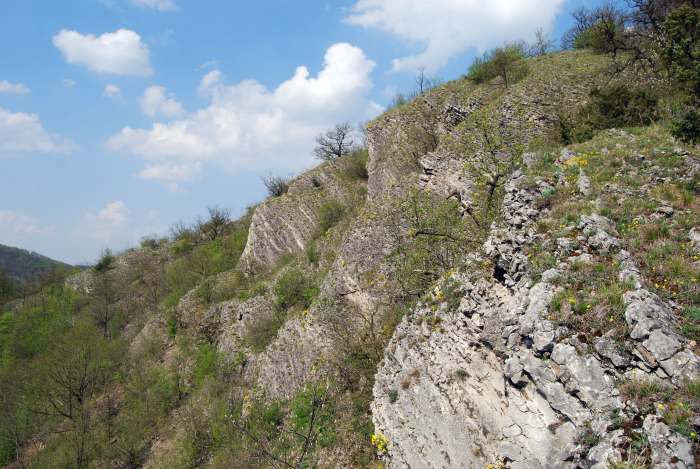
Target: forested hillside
(21, 265)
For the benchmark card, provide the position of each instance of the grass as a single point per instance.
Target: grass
(632, 174)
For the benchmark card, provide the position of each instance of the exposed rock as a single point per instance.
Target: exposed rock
(669, 450)
(584, 184)
(608, 348)
(694, 236)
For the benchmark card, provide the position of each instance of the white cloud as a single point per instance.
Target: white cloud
(13, 88)
(68, 83)
(13, 225)
(247, 125)
(156, 101)
(160, 5)
(120, 53)
(20, 132)
(449, 27)
(108, 224)
(112, 91)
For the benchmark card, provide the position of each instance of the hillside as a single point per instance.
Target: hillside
(23, 266)
(468, 291)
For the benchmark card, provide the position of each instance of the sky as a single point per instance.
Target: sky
(120, 118)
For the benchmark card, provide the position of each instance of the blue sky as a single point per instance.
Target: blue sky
(119, 118)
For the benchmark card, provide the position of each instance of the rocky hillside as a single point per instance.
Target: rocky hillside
(479, 295)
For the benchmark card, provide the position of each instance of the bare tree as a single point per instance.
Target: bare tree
(276, 185)
(215, 226)
(541, 45)
(334, 143)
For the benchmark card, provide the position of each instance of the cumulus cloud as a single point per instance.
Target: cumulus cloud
(120, 53)
(20, 132)
(156, 101)
(13, 224)
(13, 88)
(449, 27)
(108, 223)
(112, 91)
(247, 125)
(160, 5)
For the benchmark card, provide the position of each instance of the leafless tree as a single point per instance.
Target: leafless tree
(335, 143)
(541, 45)
(276, 185)
(215, 225)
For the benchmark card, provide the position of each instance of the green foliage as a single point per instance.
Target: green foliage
(393, 395)
(261, 332)
(601, 37)
(613, 107)
(105, 263)
(24, 266)
(687, 127)
(356, 164)
(8, 288)
(682, 46)
(206, 362)
(329, 215)
(294, 288)
(437, 238)
(507, 63)
(312, 254)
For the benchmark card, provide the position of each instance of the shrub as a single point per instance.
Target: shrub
(600, 37)
(276, 185)
(506, 62)
(330, 215)
(687, 127)
(393, 395)
(614, 107)
(215, 225)
(106, 262)
(206, 362)
(261, 332)
(312, 254)
(356, 165)
(294, 288)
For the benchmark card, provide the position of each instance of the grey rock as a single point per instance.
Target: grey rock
(565, 155)
(584, 184)
(608, 348)
(694, 236)
(662, 345)
(666, 211)
(669, 450)
(607, 451)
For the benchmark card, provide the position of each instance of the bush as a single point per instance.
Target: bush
(261, 332)
(356, 165)
(506, 62)
(687, 127)
(330, 215)
(294, 288)
(276, 185)
(106, 262)
(601, 37)
(615, 107)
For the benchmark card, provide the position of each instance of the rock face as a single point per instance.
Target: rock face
(280, 226)
(495, 381)
(284, 225)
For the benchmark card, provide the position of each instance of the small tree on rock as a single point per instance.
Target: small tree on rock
(334, 143)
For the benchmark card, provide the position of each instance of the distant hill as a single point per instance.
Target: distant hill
(22, 265)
